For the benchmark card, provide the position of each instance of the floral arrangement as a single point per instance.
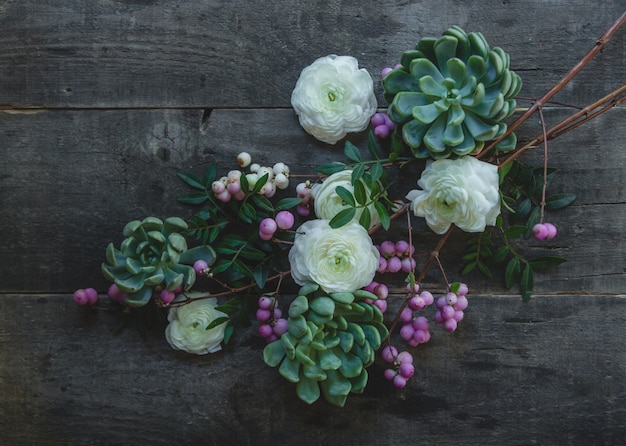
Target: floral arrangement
(252, 235)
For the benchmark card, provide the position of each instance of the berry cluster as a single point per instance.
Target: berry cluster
(87, 296)
(273, 325)
(415, 329)
(450, 307)
(402, 363)
(268, 226)
(544, 231)
(302, 191)
(382, 125)
(381, 291)
(230, 186)
(396, 256)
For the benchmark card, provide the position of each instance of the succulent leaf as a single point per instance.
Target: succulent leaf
(460, 89)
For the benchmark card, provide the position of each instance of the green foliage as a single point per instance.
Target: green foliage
(450, 96)
(153, 254)
(331, 341)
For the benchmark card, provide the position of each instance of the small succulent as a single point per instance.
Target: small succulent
(153, 255)
(330, 342)
(449, 95)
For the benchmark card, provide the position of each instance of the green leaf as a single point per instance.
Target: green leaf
(261, 272)
(352, 152)
(558, 201)
(330, 168)
(210, 175)
(345, 195)
(503, 171)
(376, 171)
(191, 179)
(469, 268)
(372, 145)
(546, 262)
(287, 203)
(512, 272)
(217, 321)
(260, 183)
(308, 390)
(140, 298)
(484, 269)
(383, 215)
(342, 218)
(365, 219)
(273, 353)
(500, 254)
(247, 213)
(515, 231)
(526, 282)
(205, 253)
(263, 203)
(193, 198)
(360, 193)
(357, 173)
(523, 208)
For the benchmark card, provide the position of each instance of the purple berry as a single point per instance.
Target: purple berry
(80, 297)
(268, 226)
(414, 290)
(263, 315)
(266, 237)
(387, 248)
(458, 315)
(265, 302)
(450, 325)
(406, 316)
(280, 327)
(402, 247)
(540, 231)
(394, 264)
(92, 295)
(381, 291)
(416, 303)
(438, 317)
(200, 267)
(551, 230)
(382, 131)
(421, 336)
(447, 312)
(406, 370)
(463, 289)
(441, 302)
(303, 211)
(285, 220)
(461, 303)
(277, 313)
(167, 296)
(371, 286)
(385, 71)
(389, 374)
(404, 358)
(399, 382)
(378, 119)
(116, 295)
(451, 298)
(265, 330)
(381, 304)
(428, 297)
(421, 323)
(234, 187)
(389, 353)
(407, 331)
(382, 265)
(408, 264)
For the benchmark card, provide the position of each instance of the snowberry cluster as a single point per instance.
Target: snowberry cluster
(87, 296)
(450, 307)
(544, 231)
(302, 191)
(273, 325)
(395, 257)
(415, 329)
(230, 186)
(402, 363)
(381, 291)
(382, 125)
(268, 226)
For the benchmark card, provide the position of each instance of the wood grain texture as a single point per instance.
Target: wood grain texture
(552, 371)
(169, 53)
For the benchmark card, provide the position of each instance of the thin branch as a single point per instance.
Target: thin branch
(599, 46)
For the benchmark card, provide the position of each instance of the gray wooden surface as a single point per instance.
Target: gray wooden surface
(101, 103)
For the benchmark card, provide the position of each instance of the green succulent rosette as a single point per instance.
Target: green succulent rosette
(153, 254)
(450, 96)
(331, 340)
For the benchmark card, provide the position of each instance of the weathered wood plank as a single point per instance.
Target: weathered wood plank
(72, 192)
(167, 53)
(552, 371)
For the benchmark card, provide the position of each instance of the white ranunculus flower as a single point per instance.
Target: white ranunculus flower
(334, 97)
(187, 328)
(342, 259)
(327, 203)
(463, 192)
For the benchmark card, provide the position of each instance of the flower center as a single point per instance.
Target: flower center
(331, 96)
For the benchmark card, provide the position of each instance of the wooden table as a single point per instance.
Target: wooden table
(103, 102)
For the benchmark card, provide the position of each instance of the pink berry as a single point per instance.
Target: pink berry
(447, 312)
(268, 226)
(381, 305)
(382, 265)
(265, 237)
(234, 187)
(415, 289)
(389, 374)
(407, 331)
(271, 338)
(441, 302)
(200, 267)
(406, 370)
(280, 327)
(277, 313)
(394, 264)
(385, 71)
(167, 296)
(461, 303)
(218, 187)
(402, 247)
(463, 289)
(540, 231)
(416, 303)
(421, 323)
(224, 197)
(265, 330)
(420, 336)
(302, 190)
(116, 295)
(303, 211)
(399, 382)
(378, 119)
(406, 316)
(428, 297)
(263, 315)
(92, 295)
(285, 220)
(382, 131)
(265, 302)
(551, 230)
(389, 353)
(458, 315)
(451, 298)
(371, 286)
(387, 248)
(404, 358)
(450, 325)
(408, 264)
(80, 297)
(381, 291)
(438, 317)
